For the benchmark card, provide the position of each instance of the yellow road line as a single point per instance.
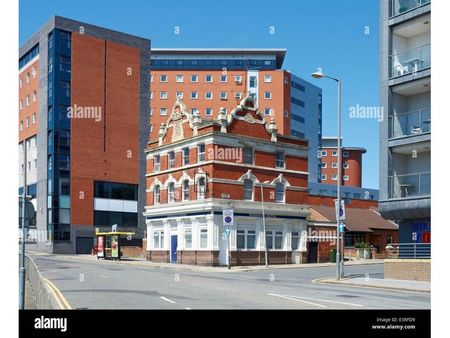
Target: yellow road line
(63, 303)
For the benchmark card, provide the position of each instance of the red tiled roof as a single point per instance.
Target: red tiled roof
(356, 219)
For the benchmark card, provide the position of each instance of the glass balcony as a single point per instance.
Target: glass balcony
(402, 6)
(411, 123)
(409, 185)
(410, 61)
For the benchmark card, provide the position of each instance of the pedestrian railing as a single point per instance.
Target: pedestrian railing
(43, 295)
(409, 250)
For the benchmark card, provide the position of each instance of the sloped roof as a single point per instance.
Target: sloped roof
(356, 219)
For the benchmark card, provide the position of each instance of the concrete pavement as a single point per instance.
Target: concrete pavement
(391, 284)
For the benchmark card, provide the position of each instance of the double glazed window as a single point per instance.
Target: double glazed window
(171, 192)
(201, 188)
(156, 163)
(188, 238)
(248, 190)
(203, 238)
(158, 239)
(274, 240)
(185, 156)
(157, 194)
(171, 159)
(186, 190)
(279, 159)
(201, 153)
(279, 192)
(246, 239)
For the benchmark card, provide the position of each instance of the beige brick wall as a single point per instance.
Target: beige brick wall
(408, 269)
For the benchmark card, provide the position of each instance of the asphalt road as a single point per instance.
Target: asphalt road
(105, 285)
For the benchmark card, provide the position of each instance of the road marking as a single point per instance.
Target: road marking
(61, 300)
(187, 308)
(167, 300)
(328, 301)
(296, 300)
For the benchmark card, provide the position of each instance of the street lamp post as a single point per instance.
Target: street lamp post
(264, 224)
(24, 233)
(339, 262)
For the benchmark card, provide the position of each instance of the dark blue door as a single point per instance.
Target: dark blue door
(173, 248)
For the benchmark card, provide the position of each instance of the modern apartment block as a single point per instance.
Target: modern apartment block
(351, 173)
(83, 122)
(197, 167)
(207, 79)
(405, 146)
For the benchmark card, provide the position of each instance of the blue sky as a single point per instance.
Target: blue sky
(339, 36)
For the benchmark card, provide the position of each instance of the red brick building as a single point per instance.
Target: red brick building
(197, 167)
(83, 118)
(351, 173)
(362, 224)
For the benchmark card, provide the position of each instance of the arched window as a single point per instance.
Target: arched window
(279, 192)
(201, 191)
(171, 192)
(186, 190)
(157, 195)
(248, 190)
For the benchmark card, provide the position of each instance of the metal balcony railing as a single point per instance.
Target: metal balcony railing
(402, 6)
(409, 250)
(410, 123)
(410, 61)
(409, 185)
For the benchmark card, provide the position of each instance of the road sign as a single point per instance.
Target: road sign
(228, 217)
(341, 228)
(341, 209)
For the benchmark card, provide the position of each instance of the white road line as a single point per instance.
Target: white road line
(296, 300)
(167, 300)
(328, 301)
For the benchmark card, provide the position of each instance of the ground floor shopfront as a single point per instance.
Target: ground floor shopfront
(192, 235)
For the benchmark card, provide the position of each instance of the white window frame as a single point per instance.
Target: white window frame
(183, 190)
(33, 118)
(163, 95)
(346, 165)
(334, 165)
(194, 78)
(28, 78)
(151, 95)
(334, 177)
(246, 235)
(323, 165)
(171, 161)
(166, 78)
(323, 177)
(188, 231)
(201, 195)
(206, 78)
(156, 164)
(171, 194)
(284, 192)
(194, 95)
(20, 104)
(223, 78)
(268, 97)
(201, 231)
(270, 111)
(238, 95)
(201, 156)
(179, 95)
(345, 154)
(194, 111)
(179, 78)
(238, 78)
(157, 194)
(27, 122)
(27, 100)
(274, 234)
(250, 81)
(160, 235)
(151, 78)
(323, 153)
(345, 177)
(334, 153)
(267, 78)
(210, 113)
(34, 95)
(185, 158)
(299, 240)
(20, 83)
(206, 95)
(163, 111)
(21, 125)
(283, 160)
(222, 97)
(252, 197)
